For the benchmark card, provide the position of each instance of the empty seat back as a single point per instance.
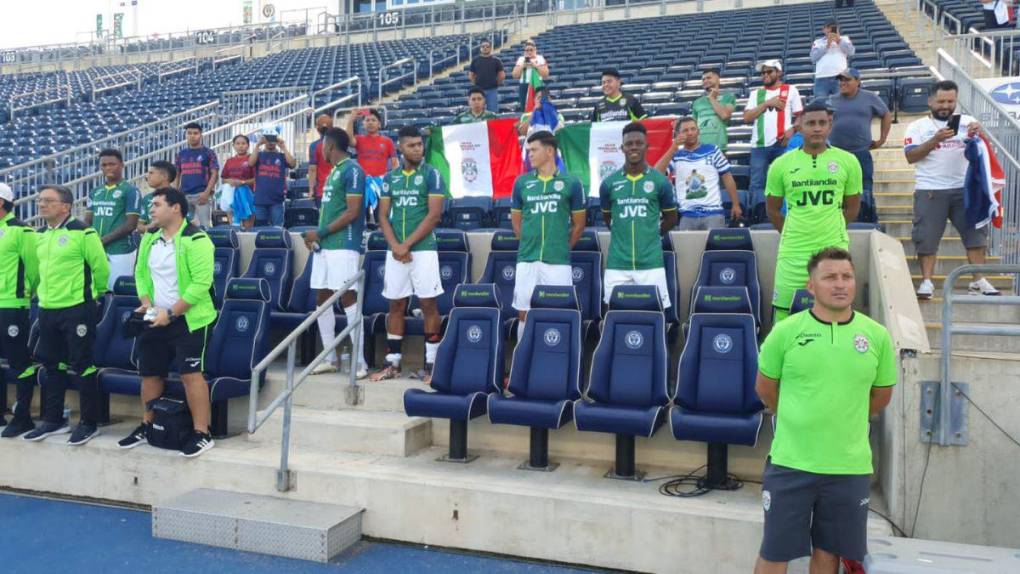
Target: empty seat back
(272, 261)
(586, 272)
(547, 360)
(469, 213)
(501, 268)
(470, 356)
(629, 365)
(729, 239)
(718, 366)
(731, 269)
(226, 260)
(112, 348)
(802, 299)
(240, 338)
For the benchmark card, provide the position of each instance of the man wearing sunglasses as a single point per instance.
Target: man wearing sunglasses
(772, 110)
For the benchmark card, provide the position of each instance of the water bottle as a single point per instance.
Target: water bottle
(67, 414)
(345, 360)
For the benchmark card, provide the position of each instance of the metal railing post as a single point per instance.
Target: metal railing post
(283, 475)
(353, 397)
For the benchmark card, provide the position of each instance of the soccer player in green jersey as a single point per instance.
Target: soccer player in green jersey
(639, 207)
(113, 211)
(410, 207)
(548, 216)
(821, 186)
(19, 267)
(73, 273)
(160, 174)
(336, 243)
(823, 372)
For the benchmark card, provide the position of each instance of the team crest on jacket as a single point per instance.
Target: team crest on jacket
(861, 343)
(833, 167)
(418, 180)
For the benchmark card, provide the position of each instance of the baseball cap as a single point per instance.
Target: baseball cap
(850, 73)
(5, 193)
(769, 64)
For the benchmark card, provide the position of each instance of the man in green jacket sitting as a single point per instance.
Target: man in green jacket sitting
(173, 275)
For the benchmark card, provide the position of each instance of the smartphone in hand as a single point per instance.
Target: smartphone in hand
(954, 123)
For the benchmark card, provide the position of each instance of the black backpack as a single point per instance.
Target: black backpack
(171, 425)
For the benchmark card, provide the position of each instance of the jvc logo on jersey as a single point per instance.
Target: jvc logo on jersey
(103, 211)
(634, 211)
(544, 207)
(406, 202)
(822, 197)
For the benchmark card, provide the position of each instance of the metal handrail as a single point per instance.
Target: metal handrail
(289, 344)
(949, 329)
(355, 80)
(456, 45)
(402, 62)
(160, 74)
(128, 77)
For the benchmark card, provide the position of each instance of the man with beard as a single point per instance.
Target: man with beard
(772, 110)
(713, 110)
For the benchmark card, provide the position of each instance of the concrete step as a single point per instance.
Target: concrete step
(327, 392)
(1000, 282)
(931, 310)
(568, 443)
(985, 343)
(899, 185)
(888, 195)
(944, 264)
(572, 515)
(349, 430)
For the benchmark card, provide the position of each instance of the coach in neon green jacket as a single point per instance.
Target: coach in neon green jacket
(72, 277)
(193, 252)
(174, 278)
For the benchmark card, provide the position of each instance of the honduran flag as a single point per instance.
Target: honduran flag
(983, 184)
(592, 151)
(478, 159)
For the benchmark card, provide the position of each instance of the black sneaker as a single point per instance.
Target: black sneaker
(46, 429)
(17, 427)
(82, 434)
(198, 443)
(137, 437)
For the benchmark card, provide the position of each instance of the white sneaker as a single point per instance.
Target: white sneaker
(926, 290)
(324, 368)
(982, 287)
(362, 371)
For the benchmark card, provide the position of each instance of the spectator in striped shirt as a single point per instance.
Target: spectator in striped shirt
(697, 169)
(772, 110)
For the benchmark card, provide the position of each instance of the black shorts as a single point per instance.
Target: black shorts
(159, 346)
(804, 510)
(14, 330)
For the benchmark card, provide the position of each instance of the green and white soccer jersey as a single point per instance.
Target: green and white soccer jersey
(636, 204)
(346, 179)
(546, 205)
(110, 205)
(825, 373)
(813, 188)
(409, 193)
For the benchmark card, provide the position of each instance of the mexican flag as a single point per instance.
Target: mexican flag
(479, 159)
(591, 151)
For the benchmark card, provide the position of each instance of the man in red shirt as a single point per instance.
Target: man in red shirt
(375, 154)
(318, 167)
(237, 173)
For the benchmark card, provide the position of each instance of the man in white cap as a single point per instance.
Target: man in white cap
(772, 110)
(19, 267)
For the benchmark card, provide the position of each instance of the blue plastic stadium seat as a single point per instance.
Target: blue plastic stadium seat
(737, 238)
(589, 241)
(545, 376)
(468, 368)
(715, 400)
(301, 217)
(300, 303)
(469, 213)
(226, 260)
(627, 392)
(913, 94)
(501, 269)
(586, 273)
(802, 300)
(501, 213)
(238, 341)
(731, 269)
(272, 260)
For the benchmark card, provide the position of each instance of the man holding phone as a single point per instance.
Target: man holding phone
(935, 145)
(271, 162)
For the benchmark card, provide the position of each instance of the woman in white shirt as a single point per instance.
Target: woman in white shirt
(527, 65)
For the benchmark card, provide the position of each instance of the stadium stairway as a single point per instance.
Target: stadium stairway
(894, 187)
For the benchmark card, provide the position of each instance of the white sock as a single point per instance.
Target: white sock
(351, 312)
(430, 352)
(327, 331)
(520, 330)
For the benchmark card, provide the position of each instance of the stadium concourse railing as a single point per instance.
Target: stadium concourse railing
(161, 140)
(294, 380)
(59, 93)
(1003, 132)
